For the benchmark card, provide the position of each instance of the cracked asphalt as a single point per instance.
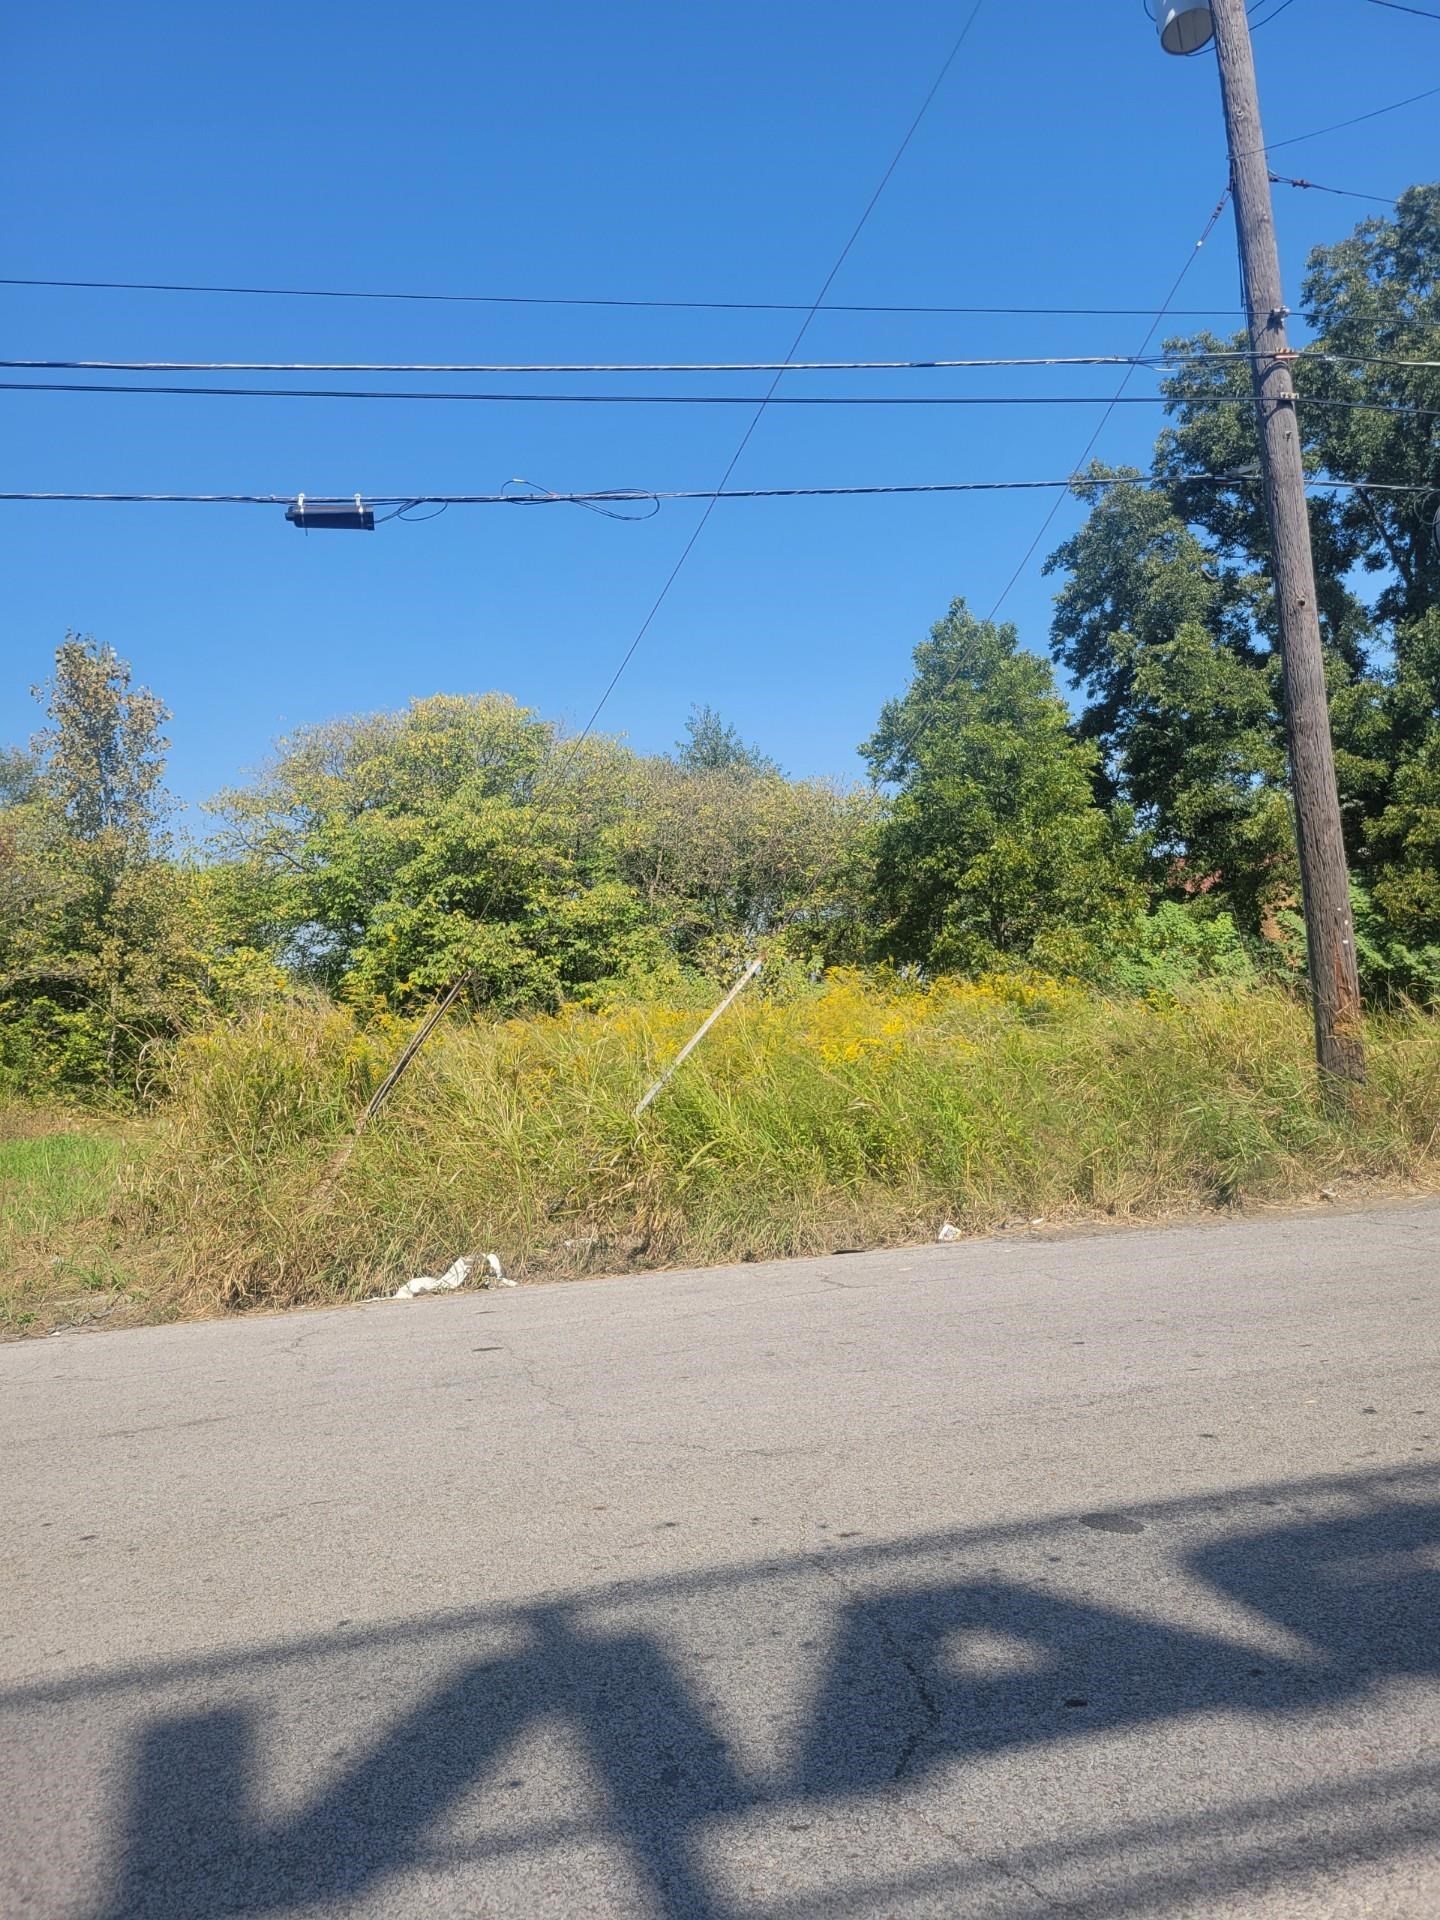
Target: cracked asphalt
(1089, 1576)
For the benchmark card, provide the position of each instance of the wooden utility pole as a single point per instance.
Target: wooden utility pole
(1329, 931)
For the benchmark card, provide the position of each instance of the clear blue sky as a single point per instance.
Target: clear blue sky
(711, 152)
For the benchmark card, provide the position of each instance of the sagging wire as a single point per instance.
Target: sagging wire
(404, 512)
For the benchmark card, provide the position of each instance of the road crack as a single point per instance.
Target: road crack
(579, 1431)
(896, 1650)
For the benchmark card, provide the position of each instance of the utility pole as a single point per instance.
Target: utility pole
(1324, 880)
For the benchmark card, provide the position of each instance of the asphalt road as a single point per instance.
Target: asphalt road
(1094, 1576)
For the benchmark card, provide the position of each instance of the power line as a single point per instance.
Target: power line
(1160, 362)
(1156, 320)
(1117, 399)
(620, 366)
(1164, 311)
(694, 399)
(715, 306)
(1424, 13)
(1336, 126)
(705, 306)
(595, 300)
(844, 254)
(632, 495)
(1345, 193)
(555, 778)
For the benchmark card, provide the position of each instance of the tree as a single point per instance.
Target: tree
(1373, 301)
(390, 852)
(104, 750)
(97, 957)
(711, 746)
(995, 849)
(726, 857)
(385, 855)
(1404, 849)
(1166, 618)
(19, 777)
(1164, 638)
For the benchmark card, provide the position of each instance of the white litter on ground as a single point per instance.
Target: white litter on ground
(454, 1277)
(947, 1232)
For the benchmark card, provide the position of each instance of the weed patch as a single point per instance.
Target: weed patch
(865, 1110)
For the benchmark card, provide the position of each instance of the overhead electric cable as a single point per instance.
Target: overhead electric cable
(1337, 126)
(1108, 401)
(556, 777)
(1156, 321)
(1424, 13)
(618, 495)
(600, 300)
(841, 257)
(620, 366)
(972, 362)
(1344, 193)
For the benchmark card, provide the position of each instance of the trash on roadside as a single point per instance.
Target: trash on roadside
(1039, 1221)
(1328, 1193)
(448, 1281)
(947, 1232)
(454, 1277)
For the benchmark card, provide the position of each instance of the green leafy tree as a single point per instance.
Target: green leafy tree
(1164, 640)
(1166, 620)
(1404, 867)
(1172, 948)
(97, 959)
(104, 750)
(726, 857)
(1373, 301)
(389, 853)
(386, 855)
(995, 850)
(19, 777)
(712, 746)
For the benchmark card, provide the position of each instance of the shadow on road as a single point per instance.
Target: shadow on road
(1355, 1591)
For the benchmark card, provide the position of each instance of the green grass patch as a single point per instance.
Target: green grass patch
(66, 1242)
(49, 1180)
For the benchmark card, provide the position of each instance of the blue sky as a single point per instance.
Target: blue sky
(700, 152)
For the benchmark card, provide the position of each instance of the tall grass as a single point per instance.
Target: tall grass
(864, 1110)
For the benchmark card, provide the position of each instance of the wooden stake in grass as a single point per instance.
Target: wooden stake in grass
(700, 1033)
(417, 1040)
(320, 1198)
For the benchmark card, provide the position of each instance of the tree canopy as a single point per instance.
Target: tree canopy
(1164, 615)
(387, 855)
(97, 940)
(996, 848)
